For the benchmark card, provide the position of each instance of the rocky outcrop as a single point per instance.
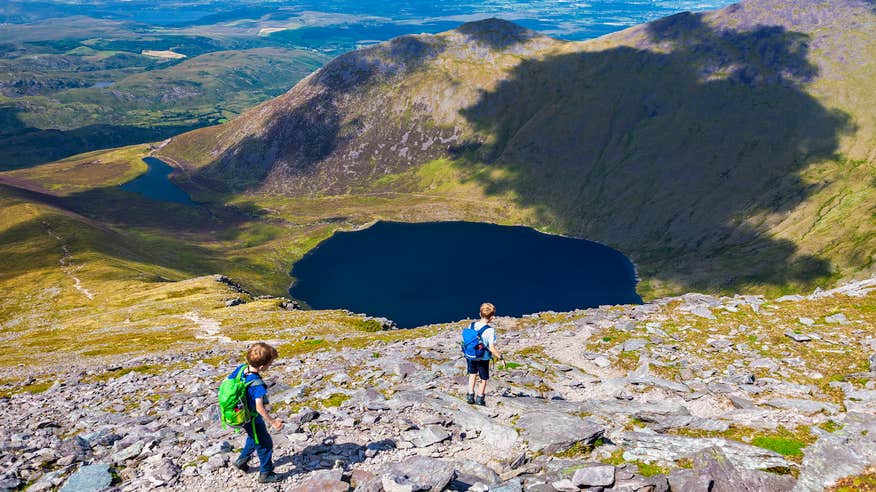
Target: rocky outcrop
(577, 411)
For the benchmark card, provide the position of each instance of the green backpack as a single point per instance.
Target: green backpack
(233, 410)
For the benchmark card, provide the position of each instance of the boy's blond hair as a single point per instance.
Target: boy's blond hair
(260, 354)
(487, 310)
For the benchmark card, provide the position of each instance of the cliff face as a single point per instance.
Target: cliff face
(713, 136)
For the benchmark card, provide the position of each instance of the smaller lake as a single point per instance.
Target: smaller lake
(417, 274)
(155, 183)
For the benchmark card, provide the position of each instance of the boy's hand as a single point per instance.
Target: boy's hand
(277, 424)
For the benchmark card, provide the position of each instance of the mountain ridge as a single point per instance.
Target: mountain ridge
(706, 142)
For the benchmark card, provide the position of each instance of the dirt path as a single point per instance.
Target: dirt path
(67, 266)
(211, 328)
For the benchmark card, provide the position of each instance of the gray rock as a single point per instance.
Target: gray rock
(509, 486)
(764, 363)
(798, 337)
(721, 344)
(634, 344)
(422, 438)
(838, 318)
(872, 360)
(47, 482)
(806, 321)
(127, 453)
(216, 448)
(808, 407)
(322, 485)
(418, 472)
(555, 432)
(846, 452)
(216, 462)
(662, 447)
(594, 476)
(702, 312)
(166, 471)
(681, 480)
(565, 485)
(726, 477)
(89, 478)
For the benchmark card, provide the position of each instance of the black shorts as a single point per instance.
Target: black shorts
(479, 367)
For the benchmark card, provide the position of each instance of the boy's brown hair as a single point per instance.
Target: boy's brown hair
(487, 310)
(260, 354)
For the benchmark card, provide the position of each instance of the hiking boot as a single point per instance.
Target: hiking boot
(269, 477)
(480, 401)
(469, 398)
(241, 464)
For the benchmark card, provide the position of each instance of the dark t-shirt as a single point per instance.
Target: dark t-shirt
(253, 391)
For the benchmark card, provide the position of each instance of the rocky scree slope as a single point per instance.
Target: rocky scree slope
(725, 150)
(677, 394)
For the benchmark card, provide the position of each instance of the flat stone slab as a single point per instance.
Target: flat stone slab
(808, 407)
(321, 485)
(594, 476)
(555, 432)
(798, 337)
(662, 447)
(89, 478)
(422, 438)
(418, 473)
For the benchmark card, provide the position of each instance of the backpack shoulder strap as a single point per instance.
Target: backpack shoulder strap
(483, 329)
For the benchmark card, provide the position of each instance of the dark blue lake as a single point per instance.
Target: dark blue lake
(155, 183)
(418, 274)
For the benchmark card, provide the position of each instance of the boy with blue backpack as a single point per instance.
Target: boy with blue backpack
(479, 346)
(242, 399)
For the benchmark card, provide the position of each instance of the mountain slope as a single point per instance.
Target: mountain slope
(719, 150)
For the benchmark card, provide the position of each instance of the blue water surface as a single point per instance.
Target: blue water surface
(155, 184)
(424, 273)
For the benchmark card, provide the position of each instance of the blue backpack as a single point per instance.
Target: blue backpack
(473, 346)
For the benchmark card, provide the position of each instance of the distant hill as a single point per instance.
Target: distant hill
(719, 150)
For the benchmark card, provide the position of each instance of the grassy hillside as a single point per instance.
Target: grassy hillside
(145, 102)
(724, 151)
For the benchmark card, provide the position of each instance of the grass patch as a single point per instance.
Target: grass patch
(33, 388)
(865, 482)
(141, 369)
(830, 426)
(649, 469)
(783, 446)
(335, 400)
(301, 347)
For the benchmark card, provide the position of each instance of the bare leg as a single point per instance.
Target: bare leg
(483, 388)
(472, 378)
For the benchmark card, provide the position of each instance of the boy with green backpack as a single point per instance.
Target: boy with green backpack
(242, 399)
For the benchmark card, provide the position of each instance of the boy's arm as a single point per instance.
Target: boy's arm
(495, 351)
(260, 408)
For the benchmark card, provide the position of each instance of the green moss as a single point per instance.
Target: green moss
(830, 426)
(335, 400)
(783, 446)
(649, 470)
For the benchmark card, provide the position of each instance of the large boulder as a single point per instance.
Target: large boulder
(89, 478)
(418, 473)
(555, 432)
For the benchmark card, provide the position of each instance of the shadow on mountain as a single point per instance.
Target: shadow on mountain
(664, 154)
(497, 34)
(23, 146)
(128, 227)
